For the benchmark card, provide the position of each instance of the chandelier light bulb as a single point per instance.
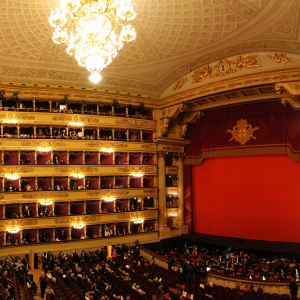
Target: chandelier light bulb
(94, 31)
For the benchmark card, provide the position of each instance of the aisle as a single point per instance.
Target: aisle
(36, 275)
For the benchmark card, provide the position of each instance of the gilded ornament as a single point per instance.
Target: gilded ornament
(280, 58)
(183, 130)
(19, 222)
(149, 191)
(293, 102)
(136, 169)
(138, 123)
(172, 112)
(292, 88)
(179, 84)
(242, 132)
(108, 193)
(223, 67)
(76, 169)
(64, 118)
(16, 170)
(171, 170)
(77, 219)
(43, 143)
(172, 149)
(106, 145)
(148, 147)
(46, 195)
(164, 124)
(17, 116)
(143, 214)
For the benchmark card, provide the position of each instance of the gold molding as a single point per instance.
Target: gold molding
(45, 195)
(18, 222)
(171, 170)
(148, 146)
(173, 111)
(223, 67)
(136, 215)
(136, 169)
(16, 169)
(106, 145)
(82, 119)
(187, 119)
(76, 169)
(134, 123)
(294, 102)
(108, 193)
(292, 88)
(179, 84)
(172, 149)
(68, 220)
(43, 143)
(242, 132)
(164, 124)
(280, 58)
(149, 191)
(183, 129)
(18, 116)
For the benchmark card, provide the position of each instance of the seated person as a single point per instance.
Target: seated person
(10, 188)
(28, 187)
(74, 187)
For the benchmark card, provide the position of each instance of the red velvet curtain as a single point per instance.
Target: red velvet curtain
(61, 181)
(77, 181)
(134, 158)
(109, 206)
(49, 233)
(31, 233)
(76, 158)
(134, 136)
(11, 209)
(14, 183)
(148, 181)
(61, 209)
(44, 183)
(31, 207)
(25, 181)
(122, 204)
(77, 208)
(278, 133)
(120, 158)
(91, 158)
(60, 155)
(107, 182)
(106, 159)
(11, 158)
(122, 226)
(1, 238)
(92, 207)
(29, 155)
(76, 233)
(149, 158)
(91, 230)
(149, 223)
(1, 212)
(94, 182)
(121, 180)
(188, 196)
(148, 136)
(43, 158)
(135, 182)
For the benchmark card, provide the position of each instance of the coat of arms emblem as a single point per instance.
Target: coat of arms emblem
(242, 132)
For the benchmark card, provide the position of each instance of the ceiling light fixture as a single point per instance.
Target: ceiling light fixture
(16, 230)
(46, 203)
(94, 30)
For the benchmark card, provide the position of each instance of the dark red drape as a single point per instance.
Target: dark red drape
(134, 158)
(77, 208)
(106, 159)
(92, 207)
(61, 209)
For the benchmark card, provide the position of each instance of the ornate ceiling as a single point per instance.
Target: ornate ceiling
(173, 37)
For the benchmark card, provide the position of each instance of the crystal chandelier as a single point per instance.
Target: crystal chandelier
(93, 30)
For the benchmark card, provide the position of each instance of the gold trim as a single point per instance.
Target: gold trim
(77, 219)
(142, 214)
(45, 195)
(16, 169)
(179, 84)
(280, 58)
(43, 143)
(136, 169)
(20, 117)
(82, 119)
(18, 223)
(139, 123)
(106, 145)
(76, 169)
(107, 193)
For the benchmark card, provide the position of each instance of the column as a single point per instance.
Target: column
(142, 226)
(128, 208)
(155, 181)
(83, 182)
(35, 157)
(68, 156)
(114, 158)
(35, 183)
(67, 132)
(19, 157)
(115, 202)
(4, 237)
(100, 227)
(33, 104)
(37, 209)
(142, 158)
(52, 181)
(127, 135)
(112, 110)
(142, 181)
(115, 229)
(20, 189)
(70, 233)
(97, 110)
(51, 130)
(21, 236)
(98, 128)
(38, 235)
(83, 157)
(100, 202)
(163, 229)
(20, 209)
(82, 132)
(142, 203)
(84, 228)
(141, 135)
(2, 159)
(3, 184)
(50, 105)
(114, 182)
(51, 159)
(180, 218)
(128, 157)
(34, 130)
(99, 158)
(4, 211)
(129, 227)
(99, 183)
(54, 234)
(113, 134)
(126, 111)
(53, 213)
(108, 250)
(69, 179)
(69, 208)
(18, 130)
(84, 207)
(1, 130)
(128, 181)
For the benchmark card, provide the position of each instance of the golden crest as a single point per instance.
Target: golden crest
(179, 84)
(280, 58)
(242, 132)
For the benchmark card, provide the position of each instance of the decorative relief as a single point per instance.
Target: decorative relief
(78, 219)
(20, 117)
(172, 149)
(191, 118)
(12, 223)
(76, 169)
(139, 123)
(242, 132)
(136, 169)
(46, 195)
(183, 130)
(108, 193)
(164, 124)
(295, 103)
(16, 169)
(292, 88)
(173, 111)
(43, 143)
(149, 191)
(179, 84)
(148, 147)
(141, 214)
(171, 170)
(171, 190)
(223, 67)
(106, 145)
(280, 58)
(75, 119)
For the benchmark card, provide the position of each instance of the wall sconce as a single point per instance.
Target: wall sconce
(77, 176)
(174, 215)
(16, 230)
(108, 150)
(109, 199)
(79, 226)
(46, 203)
(137, 175)
(138, 221)
(11, 121)
(12, 177)
(77, 124)
(44, 149)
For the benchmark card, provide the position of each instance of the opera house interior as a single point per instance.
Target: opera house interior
(149, 149)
